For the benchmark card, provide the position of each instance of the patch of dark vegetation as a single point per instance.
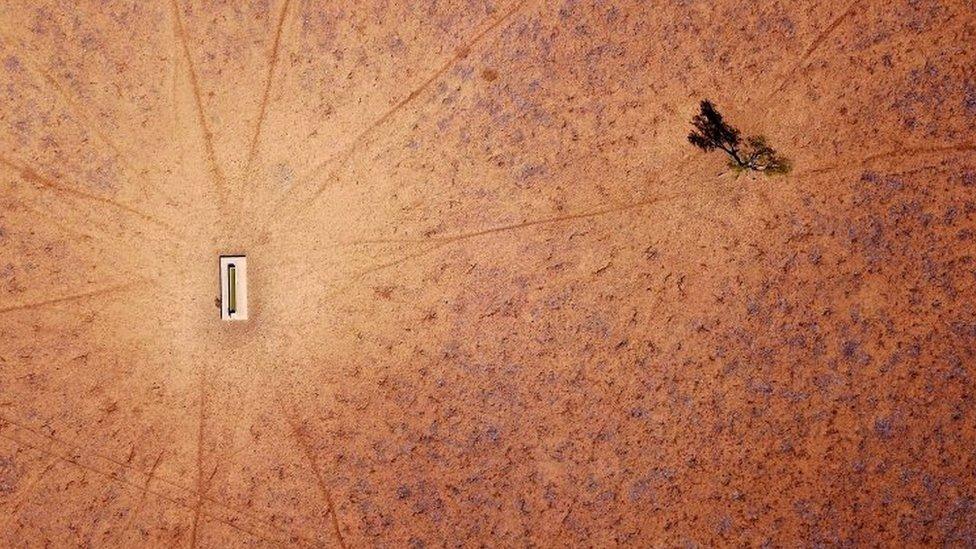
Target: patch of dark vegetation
(969, 102)
(10, 475)
(753, 154)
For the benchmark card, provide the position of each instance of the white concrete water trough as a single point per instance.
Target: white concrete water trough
(233, 287)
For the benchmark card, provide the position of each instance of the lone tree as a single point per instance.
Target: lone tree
(712, 132)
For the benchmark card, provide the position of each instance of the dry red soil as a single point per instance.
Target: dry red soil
(496, 298)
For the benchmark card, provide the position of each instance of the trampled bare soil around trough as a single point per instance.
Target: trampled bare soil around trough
(495, 296)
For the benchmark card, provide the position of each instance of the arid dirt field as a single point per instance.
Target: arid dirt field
(496, 298)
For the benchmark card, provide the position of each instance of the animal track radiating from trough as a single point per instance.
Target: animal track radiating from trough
(343, 158)
(817, 42)
(31, 176)
(65, 299)
(265, 96)
(207, 134)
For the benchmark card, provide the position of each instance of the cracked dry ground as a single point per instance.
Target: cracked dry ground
(496, 298)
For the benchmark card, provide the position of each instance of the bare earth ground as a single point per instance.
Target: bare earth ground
(496, 298)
